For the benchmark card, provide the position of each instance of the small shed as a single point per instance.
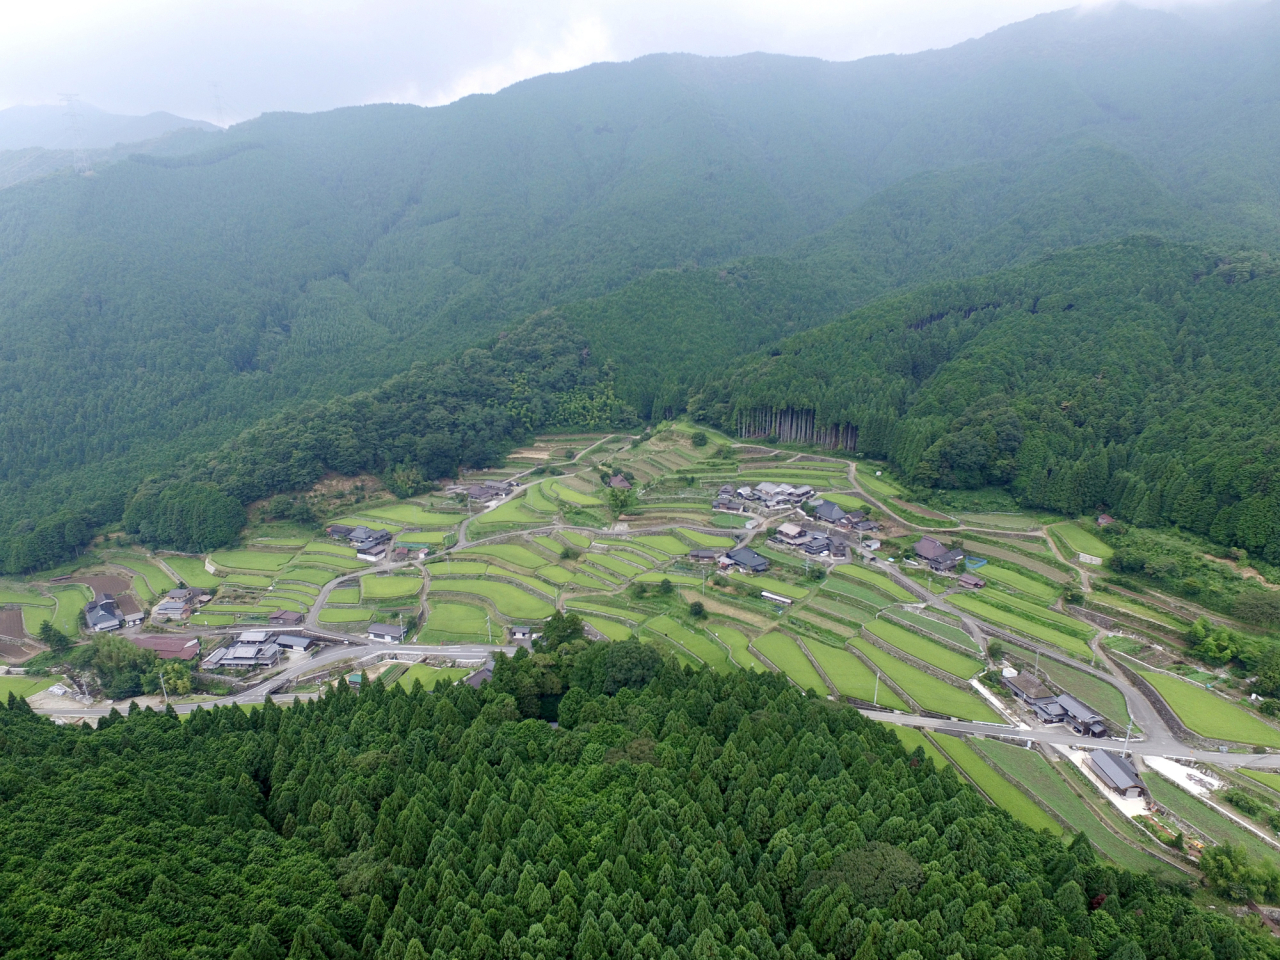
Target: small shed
(1117, 773)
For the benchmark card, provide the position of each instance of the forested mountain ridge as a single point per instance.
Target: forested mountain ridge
(160, 307)
(673, 815)
(1137, 376)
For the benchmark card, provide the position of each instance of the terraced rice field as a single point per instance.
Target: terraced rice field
(852, 677)
(738, 645)
(423, 538)
(706, 539)
(1211, 715)
(193, 573)
(71, 601)
(945, 630)
(664, 542)
(1034, 774)
(877, 580)
(922, 648)
(511, 512)
(987, 612)
(657, 576)
(344, 615)
(371, 524)
(1119, 602)
(389, 588)
(771, 584)
(614, 564)
(20, 596)
(1002, 793)
(698, 644)
(428, 676)
(928, 691)
(157, 580)
(1021, 606)
(880, 486)
(247, 560)
(912, 738)
(510, 552)
(784, 654)
(1212, 824)
(1271, 780)
(577, 539)
(537, 501)
(615, 611)
(1027, 585)
(600, 573)
(329, 546)
(842, 610)
(344, 564)
(413, 515)
(459, 618)
(1081, 541)
(312, 575)
(609, 628)
(509, 600)
(854, 591)
(847, 503)
(556, 574)
(455, 568)
(562, 491)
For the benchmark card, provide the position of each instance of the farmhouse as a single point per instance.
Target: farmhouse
(285, 618)
(372, 553)
(480, 676)
(386, 632)
(251, 651)
(103, 614)
(939, 558)
(749, 559)
(1081, 717)
(1105, 520)
(792, 534)
(1116, 772)
(746, 493)
(866, 526)
(827, 512)
(339, 531)
(171, 610)
(969, 581)
(726, 490)
(294, 643)
(818, 546)
(619, 482)
(525, 634)
(703, 556)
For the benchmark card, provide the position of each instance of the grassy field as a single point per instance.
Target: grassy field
(1210, 715)
(1119, 602)
(344, 615)
(738, 644)
(706, 539)
(922, 648)
(25, 686)
(423, 537)
(852, 677)
(1034, 774)
(71, 600)
(510, 600)
(784, 654)
(1095, 692)
(371, 524)
(32, 599)
(709, 652)
(566, 493)
(1213, 824)
(880, 486)
(413, 515)
(345, 595)
(462, 618)
(912, 738)
(1010, 578)
(1080, 540)
(510, 552)
(610, 628)
(666, 543)
(428, 675)
(193, 573)
(877, 580)
(1002, 793)
(1040, 632)
(577, 539)
(928, 691)
(389, 588)
(771, 584)
(248, 560)
(944, 630)
(159, 581)
(330, 547)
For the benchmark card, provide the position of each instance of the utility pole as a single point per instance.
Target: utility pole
(875, 697)
(1037, 663)
(163, 688)
(489, 627)
(217, 103)
(1126, 737)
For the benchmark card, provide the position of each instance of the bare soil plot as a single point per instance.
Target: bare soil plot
(11, 624)
(101, 583)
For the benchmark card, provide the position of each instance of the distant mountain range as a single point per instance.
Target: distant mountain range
(50, 127)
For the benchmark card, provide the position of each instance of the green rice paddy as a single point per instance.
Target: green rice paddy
(771, 584)
(853, 678)
(18, 596)
(944, 630)
(1081, 541)
(25, 686)
(1002, 793)
(158, 581)
(1211, 715)
(509, 600)
(657, 576)
(389, 588)
(609, 628)
(705, 539)
(1021, 625)
(312, 575)
(1010, 578)
(344, 615)
(928, 691)
(847, 503)
(428, 675)
(460, 618)
(738, 645)
(563, 492)
(877, 580)
(613, 563)
(413, 515)
(666, 543)
(247, 560)
(784, 654)
(510, 552)
(193, 573)
(454, 568)
(854, 591)
(922, 648)
(698, 644)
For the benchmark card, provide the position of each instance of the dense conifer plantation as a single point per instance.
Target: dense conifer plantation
(684, 815)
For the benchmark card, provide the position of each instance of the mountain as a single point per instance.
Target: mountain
(52, 127)
(708, 206)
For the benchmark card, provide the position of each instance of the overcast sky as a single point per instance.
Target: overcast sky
(136, 56)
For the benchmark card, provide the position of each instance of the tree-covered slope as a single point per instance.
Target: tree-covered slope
(674, 815)
(167, 302)
(1137, 376)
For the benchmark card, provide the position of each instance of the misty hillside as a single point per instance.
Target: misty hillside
(160, 306)
(50, 127)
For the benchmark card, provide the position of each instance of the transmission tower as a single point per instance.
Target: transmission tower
(217, 103)
(72, 113)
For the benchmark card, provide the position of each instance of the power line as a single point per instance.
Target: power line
(72, 113)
